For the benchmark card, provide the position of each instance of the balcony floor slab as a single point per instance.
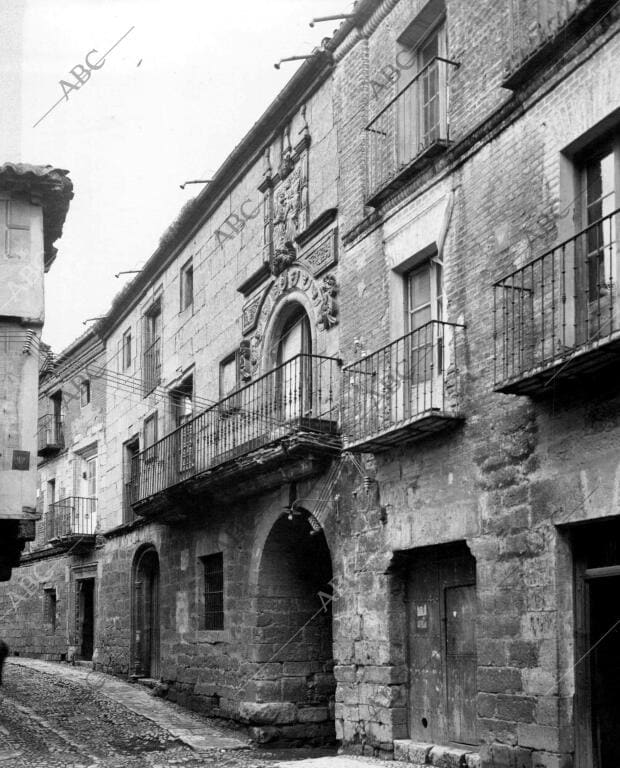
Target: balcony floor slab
(584, 362)
(290, 458)
(416, 428)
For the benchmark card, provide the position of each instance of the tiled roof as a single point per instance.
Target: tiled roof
(55, 190)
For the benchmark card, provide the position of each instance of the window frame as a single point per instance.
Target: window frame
(153, 419)
(231, 359)
(85, 388)
(186, 276)
(131, 449)
(218, 622)
(50, 607)
(151, 356)
(126, 349)
(411, 110)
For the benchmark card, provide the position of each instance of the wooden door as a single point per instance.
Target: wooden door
(460, 618)
(146, 615)
(86, 617)
(604, 639)
(442, 608)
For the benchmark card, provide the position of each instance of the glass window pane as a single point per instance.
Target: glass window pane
(607, 183)
(419, 288)
(420, 317)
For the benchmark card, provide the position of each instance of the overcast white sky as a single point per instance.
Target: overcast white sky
(169, 104)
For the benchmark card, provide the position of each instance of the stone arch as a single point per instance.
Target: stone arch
(293, 640)
(145, 624)
(309, 489)
(264, 312)
(284, 309)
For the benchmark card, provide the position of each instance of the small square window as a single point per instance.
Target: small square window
(214, 590)
(187, 285)
(84, 393)
(126, 349)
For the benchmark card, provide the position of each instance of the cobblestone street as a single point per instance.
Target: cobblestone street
(64, 717)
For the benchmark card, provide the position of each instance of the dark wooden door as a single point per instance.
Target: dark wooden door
(441, 600)
(146, 617)
(605, 670)
(460, 623)
(86, 618)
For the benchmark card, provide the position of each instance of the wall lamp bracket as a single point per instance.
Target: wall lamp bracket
(128, 272)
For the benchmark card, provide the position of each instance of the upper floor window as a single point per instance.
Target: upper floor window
(422, 111)
(424, 295)
(599, 201)
(553, 308)
(424, 304)
(150, 430)
(181, 402)
(84, 393)
(15, 216)
(187, 285)
(229, 375)
(152, 323)
(131, 449)
(414, 121)
(152, 347)
(126, 349)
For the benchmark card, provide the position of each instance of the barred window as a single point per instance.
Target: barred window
(214, 590)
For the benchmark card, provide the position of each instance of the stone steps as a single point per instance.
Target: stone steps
(421, 755)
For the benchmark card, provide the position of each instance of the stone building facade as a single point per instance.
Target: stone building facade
(50, 609)
(34, 201)
(360, 414)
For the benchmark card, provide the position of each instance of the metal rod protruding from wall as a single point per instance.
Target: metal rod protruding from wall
(332, 18)
(292, 58)
(195, 181)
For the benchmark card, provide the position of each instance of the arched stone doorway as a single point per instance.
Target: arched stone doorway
(145, 613)
(294, 682)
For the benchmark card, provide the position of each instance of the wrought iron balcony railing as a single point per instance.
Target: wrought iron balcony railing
(413, 125)
(299, 396)
(50, 434)
(151, 366)
(403, 391)
(74, 516)
(558, 314)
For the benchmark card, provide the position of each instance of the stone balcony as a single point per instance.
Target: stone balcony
(279, 428)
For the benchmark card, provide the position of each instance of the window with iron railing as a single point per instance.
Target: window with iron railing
(414, 123)
(557, 307)
(72, 516)
(214, 591)
(404, 390)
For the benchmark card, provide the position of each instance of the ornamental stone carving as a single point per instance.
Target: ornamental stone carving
(328, 310)
(285, 200)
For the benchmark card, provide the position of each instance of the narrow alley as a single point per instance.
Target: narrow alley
(60, 716)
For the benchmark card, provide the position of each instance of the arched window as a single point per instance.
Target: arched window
(294, 346)
(295, 338)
